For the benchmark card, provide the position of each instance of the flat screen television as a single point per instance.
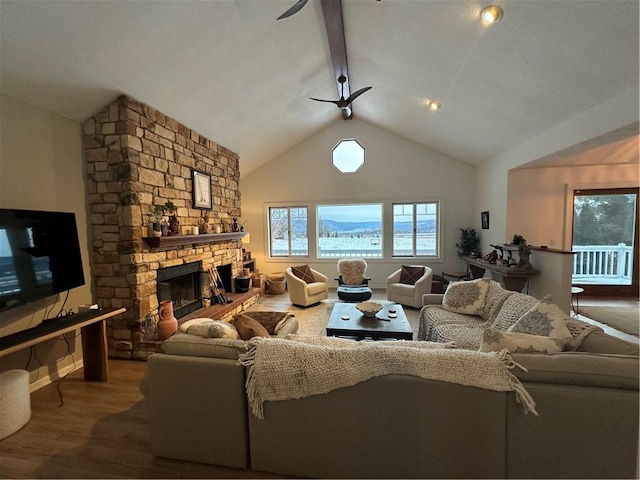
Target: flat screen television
(39, 256)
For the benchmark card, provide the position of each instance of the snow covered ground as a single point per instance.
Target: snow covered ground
(370, 247)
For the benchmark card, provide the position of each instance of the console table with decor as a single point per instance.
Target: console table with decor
(94, 339)
(512, 278)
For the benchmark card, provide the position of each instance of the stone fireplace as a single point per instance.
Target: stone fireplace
(181, 285)
(137, 158)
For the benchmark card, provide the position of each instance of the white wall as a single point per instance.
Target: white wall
(511, 205)
(492, 176)
(540, 200)
(396, 169)
(42, 168)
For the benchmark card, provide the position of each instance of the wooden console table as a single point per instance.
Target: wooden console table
(94, 339)
(512, 278)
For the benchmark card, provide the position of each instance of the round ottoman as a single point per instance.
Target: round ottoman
(15, 408)
(353, 294)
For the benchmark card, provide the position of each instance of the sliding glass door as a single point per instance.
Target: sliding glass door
(605, 231)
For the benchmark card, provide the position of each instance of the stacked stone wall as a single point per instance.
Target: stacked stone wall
(137, 158)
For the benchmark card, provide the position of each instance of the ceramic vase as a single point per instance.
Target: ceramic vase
(167, 324)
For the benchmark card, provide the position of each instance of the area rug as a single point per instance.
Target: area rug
(624, 319)
(312, 321)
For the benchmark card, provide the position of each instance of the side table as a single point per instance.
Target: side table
(575, 292)
(455, 276)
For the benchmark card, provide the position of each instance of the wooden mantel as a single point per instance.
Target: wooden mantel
(512, 278)
(178, 240)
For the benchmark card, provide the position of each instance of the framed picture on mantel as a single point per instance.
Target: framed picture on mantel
(201, 190)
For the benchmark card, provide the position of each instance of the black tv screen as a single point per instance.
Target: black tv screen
(39, 255)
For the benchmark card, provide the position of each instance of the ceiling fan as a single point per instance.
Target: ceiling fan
(295, 9)
(342, 103)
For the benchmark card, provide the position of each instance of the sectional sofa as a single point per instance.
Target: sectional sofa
(403, 426)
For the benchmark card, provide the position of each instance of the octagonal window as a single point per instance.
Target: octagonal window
(347, 156)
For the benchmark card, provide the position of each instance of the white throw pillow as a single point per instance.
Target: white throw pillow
(208, 328)
(545, 319)
(496, 341)
(466, 297)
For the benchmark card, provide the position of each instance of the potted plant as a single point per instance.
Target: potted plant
(157, 216)
(469, 242)
(518, 239)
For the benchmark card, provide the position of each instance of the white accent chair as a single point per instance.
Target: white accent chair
(406, 294)
(304, 294)
(353, 283)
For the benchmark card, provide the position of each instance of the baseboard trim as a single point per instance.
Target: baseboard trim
(44, 381)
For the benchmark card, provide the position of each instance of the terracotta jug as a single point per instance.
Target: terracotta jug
(167, 324)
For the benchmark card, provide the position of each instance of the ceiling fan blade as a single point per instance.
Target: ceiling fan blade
(295, 9)
(356, 94)
(337, 102)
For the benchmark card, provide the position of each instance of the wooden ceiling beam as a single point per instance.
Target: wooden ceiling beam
(332, 11)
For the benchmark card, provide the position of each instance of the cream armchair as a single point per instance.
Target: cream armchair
(304, 294)
(406, 293)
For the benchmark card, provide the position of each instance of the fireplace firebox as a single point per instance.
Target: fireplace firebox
(181, 285)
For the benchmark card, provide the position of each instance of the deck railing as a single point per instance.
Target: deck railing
(603, 264)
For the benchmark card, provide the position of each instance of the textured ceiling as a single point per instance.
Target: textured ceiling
(229, 70)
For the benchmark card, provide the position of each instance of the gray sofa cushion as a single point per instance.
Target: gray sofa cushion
(579, 368)
(596, 341)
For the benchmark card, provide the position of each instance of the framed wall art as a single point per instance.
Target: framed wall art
(201, 190)
(485, 220)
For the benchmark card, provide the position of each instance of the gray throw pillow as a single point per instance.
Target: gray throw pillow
(466, 297)
(496, 341)
(544, 318)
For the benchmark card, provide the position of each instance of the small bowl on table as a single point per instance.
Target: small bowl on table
(369, 309)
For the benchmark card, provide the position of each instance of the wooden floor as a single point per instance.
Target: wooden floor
(99, 431)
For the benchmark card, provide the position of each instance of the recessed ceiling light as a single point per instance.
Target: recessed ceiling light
(491, 14)
(433, 105)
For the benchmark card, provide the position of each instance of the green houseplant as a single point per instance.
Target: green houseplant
(469, 242)
(518, 239)
(157, 215)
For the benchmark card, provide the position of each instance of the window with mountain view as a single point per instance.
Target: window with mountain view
(415, 229)
(288, 232)
(350, 231)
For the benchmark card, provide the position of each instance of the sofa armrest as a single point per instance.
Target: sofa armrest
(432, 298)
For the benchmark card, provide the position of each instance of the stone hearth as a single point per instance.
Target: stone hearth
(138, 157)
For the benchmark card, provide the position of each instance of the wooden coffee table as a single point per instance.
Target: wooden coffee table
(379, 327)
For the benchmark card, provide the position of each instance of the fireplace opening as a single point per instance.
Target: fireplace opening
(181, 285)
(225, 275)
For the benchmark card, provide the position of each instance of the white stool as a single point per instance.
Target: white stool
(15, 407)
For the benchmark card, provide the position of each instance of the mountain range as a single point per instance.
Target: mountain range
(359, 227)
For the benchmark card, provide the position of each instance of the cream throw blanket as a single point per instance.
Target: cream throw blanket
(283, 369)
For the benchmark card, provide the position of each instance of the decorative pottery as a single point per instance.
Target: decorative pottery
(154, 230)
(369, 309)
(167, 324)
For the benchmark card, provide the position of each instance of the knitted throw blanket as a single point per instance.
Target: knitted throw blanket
(281, 369)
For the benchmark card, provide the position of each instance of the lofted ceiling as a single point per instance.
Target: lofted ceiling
(229, 70)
